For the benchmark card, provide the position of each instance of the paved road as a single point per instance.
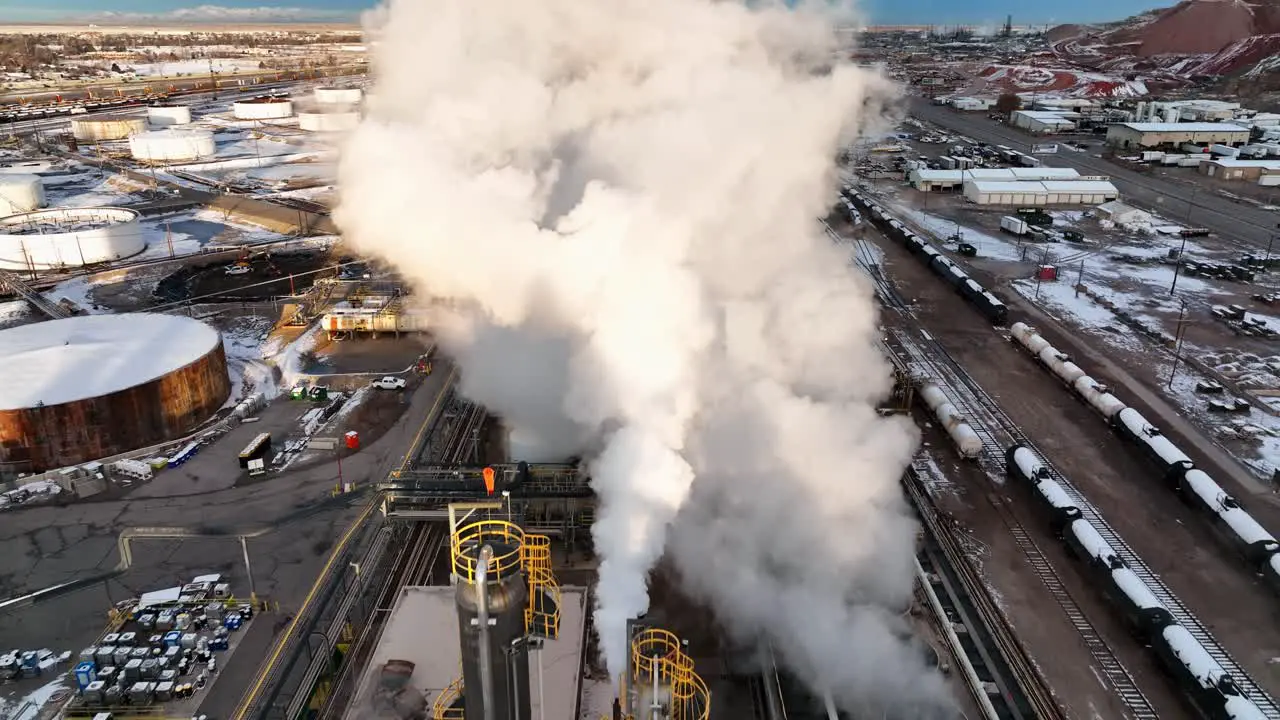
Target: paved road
(49, 545)
(1170, 198)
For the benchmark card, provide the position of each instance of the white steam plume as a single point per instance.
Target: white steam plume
(613, 200)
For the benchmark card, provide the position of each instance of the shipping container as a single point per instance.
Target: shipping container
(1223, 150)
(1152, 155)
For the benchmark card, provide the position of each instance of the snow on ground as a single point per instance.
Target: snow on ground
(13, 312)
(989, 246)
(79, 291)
(288, 357)
(243, 342)
(27, 707)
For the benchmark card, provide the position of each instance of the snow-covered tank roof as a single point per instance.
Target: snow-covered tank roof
(62, 361)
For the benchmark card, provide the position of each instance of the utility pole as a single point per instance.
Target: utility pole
(1177, 265)
(1080, 278)
(1177, 345)
(1040, 271)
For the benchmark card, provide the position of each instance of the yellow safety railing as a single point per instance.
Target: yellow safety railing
(660, 650)
(507, 540)
(539, 619)
(443, 707)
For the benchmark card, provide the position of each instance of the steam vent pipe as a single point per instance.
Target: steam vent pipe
(491, 596)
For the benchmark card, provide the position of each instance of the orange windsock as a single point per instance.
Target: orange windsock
(488, 480)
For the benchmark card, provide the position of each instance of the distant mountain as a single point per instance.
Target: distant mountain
(1194, 37)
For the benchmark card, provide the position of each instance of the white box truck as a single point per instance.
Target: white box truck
(1015, 225)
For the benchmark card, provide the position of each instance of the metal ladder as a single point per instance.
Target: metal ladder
(38, 301)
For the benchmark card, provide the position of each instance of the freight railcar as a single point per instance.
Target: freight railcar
(1210, 688)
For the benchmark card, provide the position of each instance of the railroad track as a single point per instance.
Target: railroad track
(925, 356)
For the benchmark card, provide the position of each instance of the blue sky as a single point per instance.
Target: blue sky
(881, 11)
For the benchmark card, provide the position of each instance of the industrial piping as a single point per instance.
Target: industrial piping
(482, 617)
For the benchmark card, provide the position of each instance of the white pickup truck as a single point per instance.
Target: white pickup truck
(389, 383)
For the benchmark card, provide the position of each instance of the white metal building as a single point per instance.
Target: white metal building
(172, 145)
(1044, 121)
(926, 180)
(1150, 134)
(1233, 169)
(68, 237)
(20, 194)
(1121, 214)
(1029, 193)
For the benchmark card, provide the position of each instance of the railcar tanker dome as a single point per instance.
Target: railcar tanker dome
(68, 237)
(172, 145)
(88, 387)
(20, 194)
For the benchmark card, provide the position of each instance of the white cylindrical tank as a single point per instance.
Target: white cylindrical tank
(967, 441)
(165, 115)
(172, 145)
(329, 120)
(68, 237)
(263, 108)
(339, 95)
(106, 127)
(20, 194)
(1028, 337)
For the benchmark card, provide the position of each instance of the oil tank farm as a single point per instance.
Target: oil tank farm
(172, 145)
(262, 108)
(328, 118)
(68, 237)
(166, 115)
(20, 194)
(98, 128)
(338, 95)
(89, 387)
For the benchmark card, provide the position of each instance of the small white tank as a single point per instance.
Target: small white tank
(20, 194)
(263, 108)
(339, 95)
(165, 115)
(335, 118)
(172, 145)
(106, 127)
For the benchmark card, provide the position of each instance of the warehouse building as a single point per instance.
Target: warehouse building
(1044, 121)
(1121, 214)
(1248, 170)
(1030, 193)
(927, 180)
(1137, 135)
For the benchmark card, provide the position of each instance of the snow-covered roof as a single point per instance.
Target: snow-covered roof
(62, 361)
(1045, 187)
(997, 174)
(1184, 127)
(1232, 162)
(1115, 207)
(1048, 116)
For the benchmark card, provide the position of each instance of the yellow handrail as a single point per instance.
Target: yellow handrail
(507, 540)
(540, 620)
(443, 709)
(657, 650)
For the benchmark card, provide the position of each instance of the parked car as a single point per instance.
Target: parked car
(389, 383)
(238, 269)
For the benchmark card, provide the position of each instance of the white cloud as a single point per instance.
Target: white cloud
(223, 14)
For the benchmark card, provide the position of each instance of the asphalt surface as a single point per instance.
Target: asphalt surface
(1239, 221)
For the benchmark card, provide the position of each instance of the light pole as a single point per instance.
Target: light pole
(1177, 345)
(1177, 264)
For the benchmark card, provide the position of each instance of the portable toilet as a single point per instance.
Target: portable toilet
(1047, 272)
(353, 440)
(85, 673)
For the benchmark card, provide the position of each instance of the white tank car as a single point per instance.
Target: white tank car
(1241, 708)
(1030, 465)
(1028, 337)
(1092, 543)
(1098, 396)
(1060, 365)
(1055, 494)
(966, 440)
(1144, 432)
(1136, 590)
(1256, 540)
(1193, 656)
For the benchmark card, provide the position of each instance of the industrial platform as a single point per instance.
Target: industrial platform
(423, 629)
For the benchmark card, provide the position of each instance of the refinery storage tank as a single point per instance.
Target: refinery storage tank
(262, 108)
(172, 145)
(165, 115)
(106, 127)
(68, 237)
(20, 194)
(339, 95)
(89, 387)
(330, 118)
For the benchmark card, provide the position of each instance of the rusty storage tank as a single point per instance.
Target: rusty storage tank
(90, 387)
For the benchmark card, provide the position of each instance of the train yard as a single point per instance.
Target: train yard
(980, 430)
